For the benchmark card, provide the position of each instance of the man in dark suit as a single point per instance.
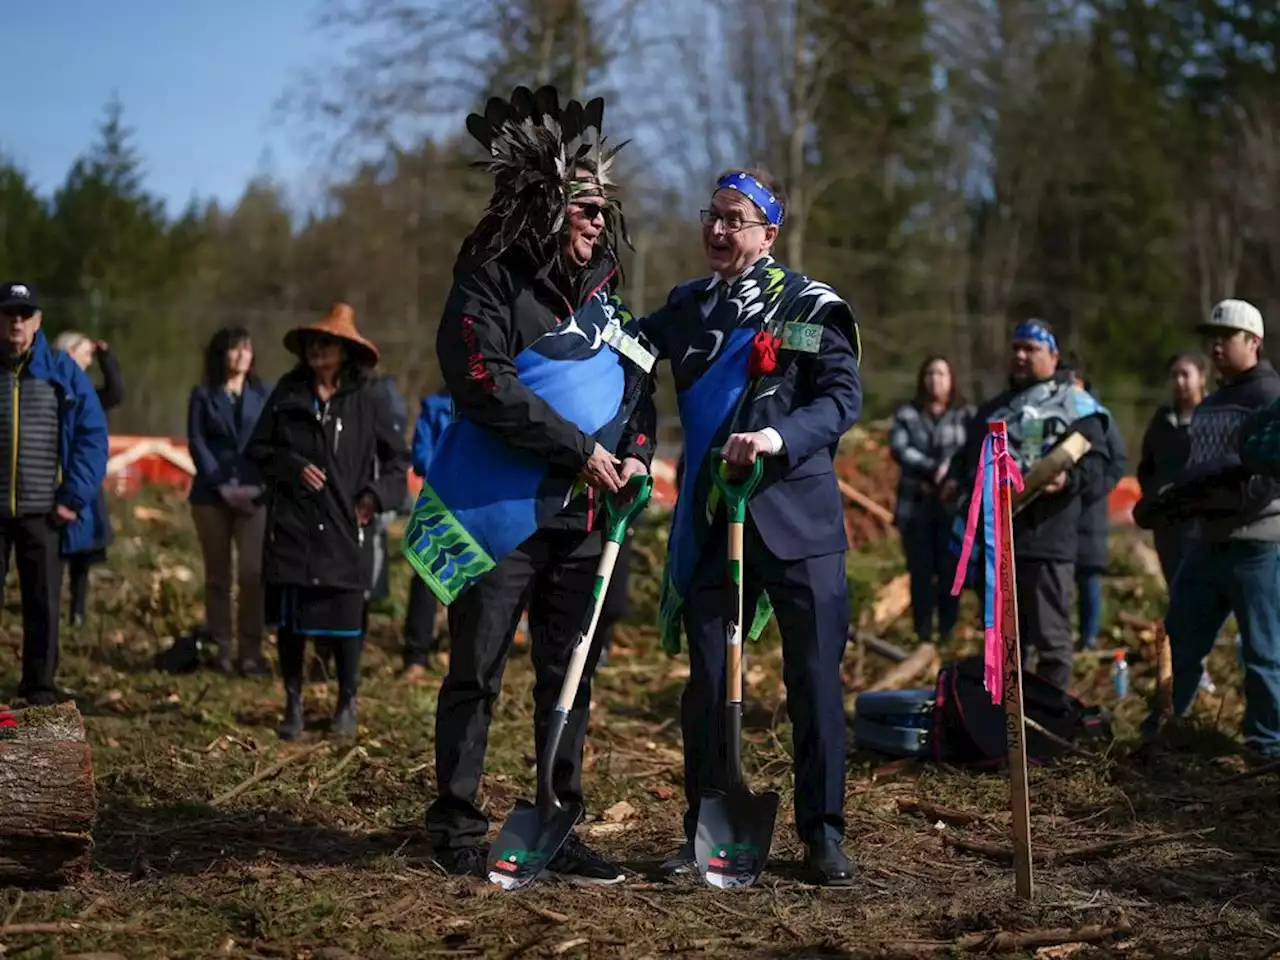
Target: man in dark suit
(765, 363)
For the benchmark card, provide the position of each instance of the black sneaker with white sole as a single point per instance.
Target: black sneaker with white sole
(578, 863)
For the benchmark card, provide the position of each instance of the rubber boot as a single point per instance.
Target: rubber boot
(344, 722)
(292, 652)
(346, 652)
(294, 721)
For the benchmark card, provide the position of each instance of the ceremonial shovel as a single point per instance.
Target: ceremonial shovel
(533, 834)
(735, 828)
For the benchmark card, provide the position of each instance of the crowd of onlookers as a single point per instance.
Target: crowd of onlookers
(296, 484)
(1219, 550)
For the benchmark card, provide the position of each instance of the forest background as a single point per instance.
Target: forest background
(954, 166)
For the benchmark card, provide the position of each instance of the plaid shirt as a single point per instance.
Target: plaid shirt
(920, 444)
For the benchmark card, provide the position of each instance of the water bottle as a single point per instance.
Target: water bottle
(1120, 675)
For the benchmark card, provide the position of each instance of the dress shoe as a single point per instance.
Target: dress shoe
(42, 697)
(467, 861)
(826, 865)
(682, 862)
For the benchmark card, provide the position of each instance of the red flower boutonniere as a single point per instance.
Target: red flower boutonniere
(764, 354)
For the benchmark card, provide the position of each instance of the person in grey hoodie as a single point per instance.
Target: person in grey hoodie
(1233, 567)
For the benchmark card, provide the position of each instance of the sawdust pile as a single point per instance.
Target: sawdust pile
(865, 466)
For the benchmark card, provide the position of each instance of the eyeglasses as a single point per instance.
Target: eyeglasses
(732, 222)
(590, 211)
(19, 313)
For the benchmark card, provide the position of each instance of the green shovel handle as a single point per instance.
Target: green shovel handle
(617, 518)
(736, 494)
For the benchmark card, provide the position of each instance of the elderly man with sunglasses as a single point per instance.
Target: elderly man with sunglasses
(765, 364)
(552, 412)
(54, 434)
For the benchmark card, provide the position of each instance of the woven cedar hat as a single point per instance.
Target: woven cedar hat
(339, 323)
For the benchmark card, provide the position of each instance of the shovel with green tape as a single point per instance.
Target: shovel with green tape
(735, 827)
(534, 833)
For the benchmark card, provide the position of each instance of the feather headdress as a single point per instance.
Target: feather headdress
(542, 158)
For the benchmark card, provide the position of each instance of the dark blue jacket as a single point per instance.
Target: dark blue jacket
(217, 443)
(436, 414)
(82, 443)
(811, 400)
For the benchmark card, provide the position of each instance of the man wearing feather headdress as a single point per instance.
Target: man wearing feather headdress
(765, 363)
(553, 412)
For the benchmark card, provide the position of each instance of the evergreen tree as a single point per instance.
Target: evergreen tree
(110, 235)
(24, 228)
(874, 134)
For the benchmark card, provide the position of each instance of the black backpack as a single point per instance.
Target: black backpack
(970, 730)
(190, 652)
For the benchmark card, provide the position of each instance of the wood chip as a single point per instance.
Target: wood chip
(620, 811)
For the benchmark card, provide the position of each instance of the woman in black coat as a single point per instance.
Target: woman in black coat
(331, 460)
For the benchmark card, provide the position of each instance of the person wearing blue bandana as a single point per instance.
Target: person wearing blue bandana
(1042, 405)
(765, 364)
(552, 412)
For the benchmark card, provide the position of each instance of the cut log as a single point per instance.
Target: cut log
(1164, 672)
(924, 661)
(892, 601)
(882, 647)
(48, 799)
(866, 503)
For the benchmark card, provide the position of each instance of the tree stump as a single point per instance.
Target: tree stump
(48, 799)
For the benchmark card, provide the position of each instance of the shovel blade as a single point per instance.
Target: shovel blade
(528, 842)
(735, 831)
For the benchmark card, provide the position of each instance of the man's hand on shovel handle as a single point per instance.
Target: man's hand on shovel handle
(601, 470)
(741, 449)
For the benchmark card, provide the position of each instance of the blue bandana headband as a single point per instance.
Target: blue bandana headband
(1035, 331)
(756, 192)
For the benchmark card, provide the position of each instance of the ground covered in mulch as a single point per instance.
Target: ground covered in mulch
(1164, 855)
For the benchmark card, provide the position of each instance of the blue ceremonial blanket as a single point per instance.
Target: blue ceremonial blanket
(484, 498)
(704, 409)
(1037, 418)
(710, 357)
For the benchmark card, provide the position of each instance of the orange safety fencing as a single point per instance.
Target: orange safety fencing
(134, 462)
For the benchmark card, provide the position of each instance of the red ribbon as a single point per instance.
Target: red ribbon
(764, 354)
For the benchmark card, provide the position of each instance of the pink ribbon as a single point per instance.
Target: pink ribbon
(1004, 470)
(971, 523)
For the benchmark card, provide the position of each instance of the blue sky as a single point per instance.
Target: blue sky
(198, 80)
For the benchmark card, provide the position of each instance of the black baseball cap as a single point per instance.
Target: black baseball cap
(14, 294)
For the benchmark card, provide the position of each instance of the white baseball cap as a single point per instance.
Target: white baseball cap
(1234, 315)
